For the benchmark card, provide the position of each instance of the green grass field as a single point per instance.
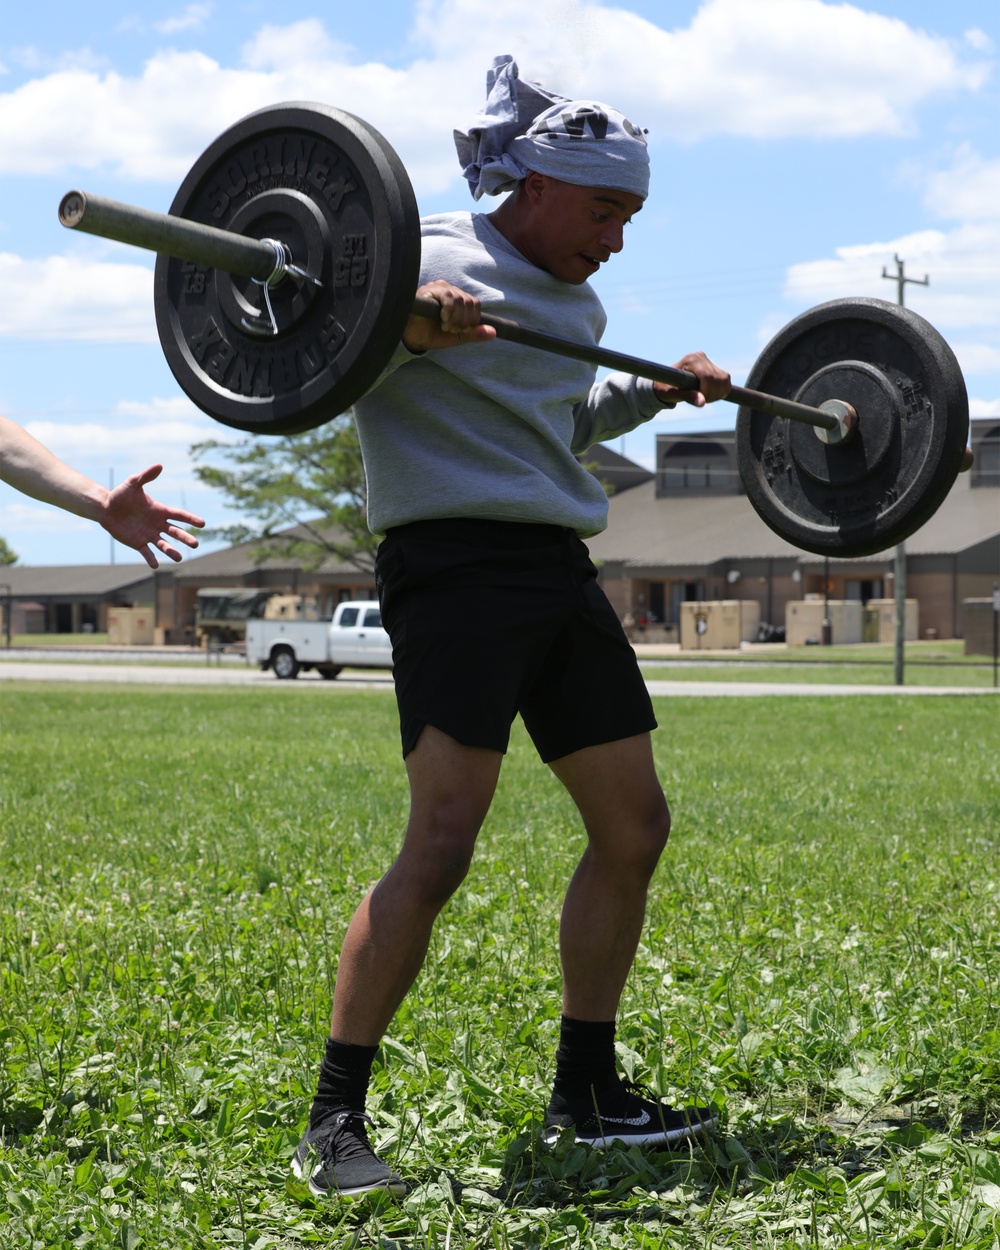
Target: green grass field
(838, 673)
(821, 961)
(947, 651)
(866, 664)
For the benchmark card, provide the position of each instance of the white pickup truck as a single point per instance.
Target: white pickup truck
(354, 638)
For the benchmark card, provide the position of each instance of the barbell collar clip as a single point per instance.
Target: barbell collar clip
(847, 422)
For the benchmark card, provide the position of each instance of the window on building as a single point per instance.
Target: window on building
(986, 466)
(688, 465)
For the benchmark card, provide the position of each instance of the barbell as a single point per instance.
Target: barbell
(288, 267)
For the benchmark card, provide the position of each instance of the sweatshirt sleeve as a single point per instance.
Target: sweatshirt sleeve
(615, 405)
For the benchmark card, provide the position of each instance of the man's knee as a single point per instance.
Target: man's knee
(437, 854)
(639, 839)
(653, 833)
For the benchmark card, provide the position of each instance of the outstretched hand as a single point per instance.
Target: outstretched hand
(131, 517)
(459, 322)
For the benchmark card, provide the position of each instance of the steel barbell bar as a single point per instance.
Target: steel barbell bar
(256, 344)
(268, 261)
(169, 236)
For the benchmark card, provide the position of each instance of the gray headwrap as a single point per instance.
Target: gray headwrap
(524, 127)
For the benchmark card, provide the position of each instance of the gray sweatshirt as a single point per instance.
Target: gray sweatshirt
(491, 430)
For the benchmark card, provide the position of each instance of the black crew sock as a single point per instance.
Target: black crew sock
(585, 1061)
(343, 1079)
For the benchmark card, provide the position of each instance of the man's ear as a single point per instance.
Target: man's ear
(535, 185)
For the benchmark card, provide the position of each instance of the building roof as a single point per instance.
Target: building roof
(243, 558)
(697, 530)
(612, 470)
(69, 580)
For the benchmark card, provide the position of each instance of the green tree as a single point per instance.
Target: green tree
(276, 483)
(7, 554)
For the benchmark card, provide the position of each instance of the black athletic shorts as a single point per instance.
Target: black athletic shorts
(493, 618)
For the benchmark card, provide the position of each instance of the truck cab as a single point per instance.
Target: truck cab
(357, 636)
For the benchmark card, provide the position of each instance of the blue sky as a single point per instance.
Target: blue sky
(797, 145)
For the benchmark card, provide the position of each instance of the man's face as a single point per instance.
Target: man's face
(575, 229)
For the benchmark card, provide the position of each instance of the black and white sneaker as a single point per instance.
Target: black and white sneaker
(624, 1115)
(337, 1159)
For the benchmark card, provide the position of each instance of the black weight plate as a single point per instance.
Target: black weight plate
(329, 186)
(874, 490)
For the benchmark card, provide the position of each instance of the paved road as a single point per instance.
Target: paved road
(178, 675)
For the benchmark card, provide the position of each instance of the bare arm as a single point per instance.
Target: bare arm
(127, 512)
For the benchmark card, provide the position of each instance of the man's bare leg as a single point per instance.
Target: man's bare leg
(625, 814)
(616, 789)
(451, 788)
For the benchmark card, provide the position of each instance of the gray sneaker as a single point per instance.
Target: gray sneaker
(337, 1159)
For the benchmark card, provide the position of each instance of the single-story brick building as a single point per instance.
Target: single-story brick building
(70, 599)
(688, 532)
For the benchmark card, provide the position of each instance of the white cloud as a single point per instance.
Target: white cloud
(979, 40)
(30, 59)
(132, 436)
(159, 409)
(78, 298)
(194, 15)
(156, 431)
(963, 265)
(979, 407)
(761, 68)
(274, 48)
(969, 190)
(18, 517)
(978, 358)
(151, 127)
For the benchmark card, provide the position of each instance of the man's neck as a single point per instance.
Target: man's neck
(510, 220)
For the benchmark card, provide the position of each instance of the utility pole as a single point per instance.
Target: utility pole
(9, 608)
(900, 279)
(899, 581)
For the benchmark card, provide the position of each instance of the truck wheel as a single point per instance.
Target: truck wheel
(329, 671)
(284, 663)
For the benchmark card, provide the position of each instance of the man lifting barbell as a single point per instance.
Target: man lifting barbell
(473, 480)
(284, 294)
